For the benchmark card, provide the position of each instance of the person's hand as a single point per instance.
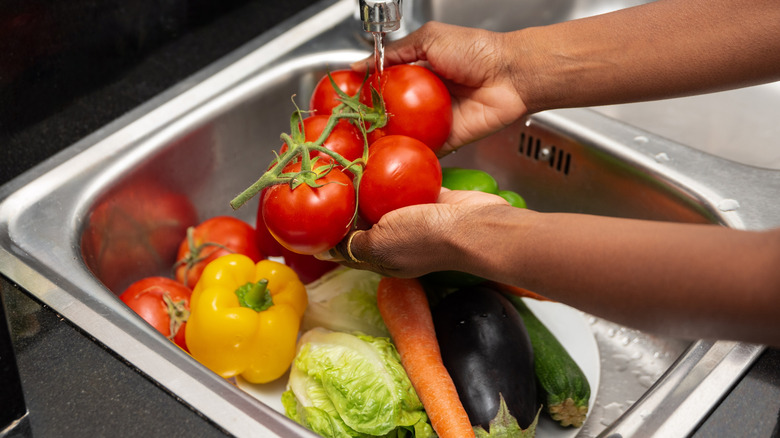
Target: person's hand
(415, 240)
(475, 69)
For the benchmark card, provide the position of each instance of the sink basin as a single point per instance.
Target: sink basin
(110, 209)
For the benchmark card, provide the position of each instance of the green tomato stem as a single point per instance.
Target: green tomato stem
(178, 314)
(255, 295)
(350, 109)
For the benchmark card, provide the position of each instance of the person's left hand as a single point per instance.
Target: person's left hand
(415, 240)
(480, 70)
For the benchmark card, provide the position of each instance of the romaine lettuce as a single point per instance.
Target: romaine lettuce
(345, 300)
(345, 385)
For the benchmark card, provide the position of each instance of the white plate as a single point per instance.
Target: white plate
(573, 331)
(567, 324)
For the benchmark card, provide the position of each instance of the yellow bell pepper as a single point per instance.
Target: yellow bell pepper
(245, 317)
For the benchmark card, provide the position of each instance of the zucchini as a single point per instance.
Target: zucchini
(562, 386)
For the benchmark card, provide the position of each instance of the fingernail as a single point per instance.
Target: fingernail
(330, 255)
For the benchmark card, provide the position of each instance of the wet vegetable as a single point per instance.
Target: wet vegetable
(564, 388)
(345, 300)
(345, 385)
(457, 178)
(405, 310)
(401, 171)
(211, 239)
(513, 198)
(162, 302)
(417, 102)
(488, 353)
(244, 318)
(313, 216)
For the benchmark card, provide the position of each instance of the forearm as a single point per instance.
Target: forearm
(662, 49)
(680, 279)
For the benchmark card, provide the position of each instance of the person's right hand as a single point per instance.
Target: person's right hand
(474, 66)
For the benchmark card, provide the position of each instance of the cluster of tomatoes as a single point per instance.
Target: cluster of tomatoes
(381, 155)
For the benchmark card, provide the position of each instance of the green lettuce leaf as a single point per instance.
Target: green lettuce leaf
(345, 300)
(352, 385)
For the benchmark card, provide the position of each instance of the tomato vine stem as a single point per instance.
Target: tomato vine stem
(350, 109)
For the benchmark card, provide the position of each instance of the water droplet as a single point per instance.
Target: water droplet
(728, 205)
(641, 139)
(645, 380)
(611, 413)
(662, 157)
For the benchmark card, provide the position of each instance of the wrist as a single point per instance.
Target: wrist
(488, 241)
(527, 67)
(561, 65)
(545, 67)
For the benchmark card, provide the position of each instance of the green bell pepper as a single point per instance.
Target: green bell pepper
(514, 199)
(456, 178)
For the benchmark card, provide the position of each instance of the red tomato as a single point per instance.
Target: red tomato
(401, 171)
(417, 102)
(345, 138)
(163, 303)
(134, 231)
(308, 267)
(324, 98)
(310, 220)
(265, 241)
(211, 239)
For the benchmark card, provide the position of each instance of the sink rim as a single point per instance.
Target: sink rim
(161, 361)
(108, 322)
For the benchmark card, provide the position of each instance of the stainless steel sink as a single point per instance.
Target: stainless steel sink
(187, 152)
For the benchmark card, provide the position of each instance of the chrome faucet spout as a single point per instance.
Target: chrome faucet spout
(381, 16)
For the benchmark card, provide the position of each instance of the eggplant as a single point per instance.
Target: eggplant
(487, 351)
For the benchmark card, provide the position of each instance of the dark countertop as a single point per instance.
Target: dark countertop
(752, 409)
(72, 386)
(108, 59)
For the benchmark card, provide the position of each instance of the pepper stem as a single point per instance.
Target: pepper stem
(255, 296)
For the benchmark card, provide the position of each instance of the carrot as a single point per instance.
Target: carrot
(517, 291)
(404, 308)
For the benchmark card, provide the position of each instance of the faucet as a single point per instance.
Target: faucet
(381, 16)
